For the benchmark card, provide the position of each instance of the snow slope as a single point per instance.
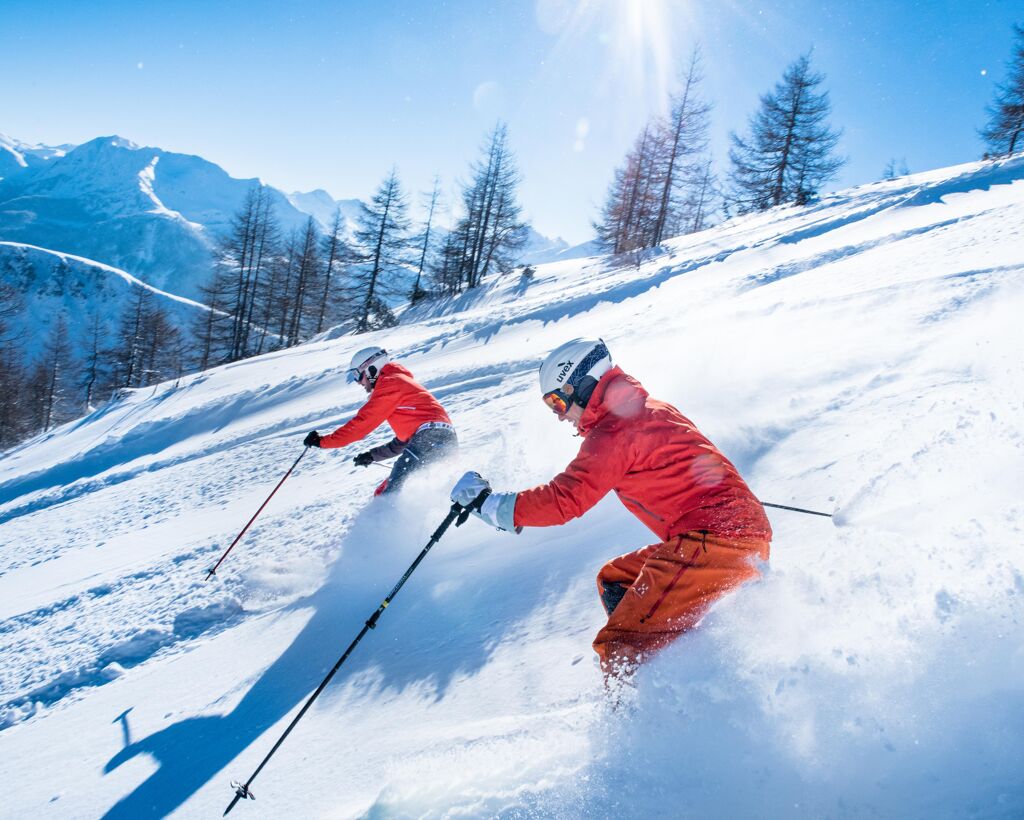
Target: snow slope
(861, 354)
(50, 284)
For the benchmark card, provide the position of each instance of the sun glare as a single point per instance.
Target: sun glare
(636, 37)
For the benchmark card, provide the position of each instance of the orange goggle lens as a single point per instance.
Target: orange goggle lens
(557, 401)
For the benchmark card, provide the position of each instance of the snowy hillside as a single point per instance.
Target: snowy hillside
(859, 355)
(51, 284)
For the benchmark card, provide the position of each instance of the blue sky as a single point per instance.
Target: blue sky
(331, 94)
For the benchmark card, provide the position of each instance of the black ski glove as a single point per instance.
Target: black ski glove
(364, 459)
(312, 439)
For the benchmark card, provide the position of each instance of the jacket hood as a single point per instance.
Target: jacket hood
(392, 369)
(617, 394)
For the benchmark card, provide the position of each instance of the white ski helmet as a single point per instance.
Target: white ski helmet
(579, 364)
(369, 360)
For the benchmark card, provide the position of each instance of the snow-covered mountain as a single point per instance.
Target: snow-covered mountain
(154, 213)
(322, 206)
(860, 355)
(539, 249)
(51, 284)
(17, 156)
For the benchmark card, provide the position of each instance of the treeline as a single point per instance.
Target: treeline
(73, 374)
(667, 184)
(271, 290)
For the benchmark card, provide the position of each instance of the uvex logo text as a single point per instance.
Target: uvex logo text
(566, 367)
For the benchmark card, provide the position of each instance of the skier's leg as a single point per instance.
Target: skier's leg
(618, 575)
(677, 583)
(404, 465)
(425, 447)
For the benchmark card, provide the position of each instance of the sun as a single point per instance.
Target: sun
(635, 36)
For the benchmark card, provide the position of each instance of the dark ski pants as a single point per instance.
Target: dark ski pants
(428, 445)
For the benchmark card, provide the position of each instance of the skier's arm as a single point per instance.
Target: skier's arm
(393, 448)
(371, 415)
(588, 478)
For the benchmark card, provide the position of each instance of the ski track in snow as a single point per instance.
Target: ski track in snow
(860, 354)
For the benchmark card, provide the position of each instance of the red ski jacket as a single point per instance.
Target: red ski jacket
(397, 399)
(662, 469)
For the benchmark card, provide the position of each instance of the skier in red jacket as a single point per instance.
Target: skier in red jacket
(423, 431)
(711, 528)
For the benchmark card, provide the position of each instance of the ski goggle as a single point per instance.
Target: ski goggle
(353, 375)
(558, 401)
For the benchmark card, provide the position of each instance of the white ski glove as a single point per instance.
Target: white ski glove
(497, 509)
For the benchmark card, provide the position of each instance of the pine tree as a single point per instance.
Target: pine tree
(790, 153)
(52, 379)
(14, 410)
(336, 253)
(702, 200)
(491, 230)
(92, 374)
(894, 169)
(213, 329)
(306, 284)
(417, 289)
(683, 141)
(382, 231)
(124, 357)
(446, 270)
(1004, 134)
(629, 218)
(245, 254)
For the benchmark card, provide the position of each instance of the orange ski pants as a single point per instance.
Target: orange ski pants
(665, 590)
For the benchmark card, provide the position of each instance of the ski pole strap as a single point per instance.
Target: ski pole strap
(796, 509)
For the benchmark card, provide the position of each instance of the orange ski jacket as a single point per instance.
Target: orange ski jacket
(396, 398)
(662, 469)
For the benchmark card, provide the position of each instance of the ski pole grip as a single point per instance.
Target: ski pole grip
(475, 504)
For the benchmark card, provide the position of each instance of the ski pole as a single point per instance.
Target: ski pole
(238, 537)
(458, 514)
(795, 509)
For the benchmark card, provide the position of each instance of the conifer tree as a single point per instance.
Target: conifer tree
(383, 232)
(336, 253)
(683, 141)
(91, 362)
(306, 284)
(52, 382)
(1004, 133)
(491, 231)
(629, 218)
(790, 151)
(417, 289)
(14, 410)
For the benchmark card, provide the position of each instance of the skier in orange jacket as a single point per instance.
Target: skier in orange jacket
(711, 528)
(423, 431)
